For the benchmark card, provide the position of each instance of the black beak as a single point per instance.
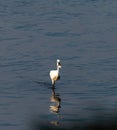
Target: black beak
(59, 64)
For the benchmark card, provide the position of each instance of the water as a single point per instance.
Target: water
(33, 34)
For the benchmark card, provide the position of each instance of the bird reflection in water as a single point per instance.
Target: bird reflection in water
(55, 107)
(55, 98)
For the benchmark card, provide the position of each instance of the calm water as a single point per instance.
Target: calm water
(33, 34)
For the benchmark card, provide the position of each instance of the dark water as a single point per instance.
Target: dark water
(33, 34)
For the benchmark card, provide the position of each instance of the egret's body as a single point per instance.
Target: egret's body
(54, 74)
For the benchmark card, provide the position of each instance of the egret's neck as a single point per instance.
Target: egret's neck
(58, 69)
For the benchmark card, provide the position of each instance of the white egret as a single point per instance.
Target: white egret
(54, 74)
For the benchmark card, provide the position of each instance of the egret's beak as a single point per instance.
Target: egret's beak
(59, 64)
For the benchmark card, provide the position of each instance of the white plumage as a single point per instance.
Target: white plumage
(54, 74)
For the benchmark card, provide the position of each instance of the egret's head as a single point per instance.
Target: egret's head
(58, 63)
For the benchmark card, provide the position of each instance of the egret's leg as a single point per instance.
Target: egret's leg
(53, 83)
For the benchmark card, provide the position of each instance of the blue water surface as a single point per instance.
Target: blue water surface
(33, 34)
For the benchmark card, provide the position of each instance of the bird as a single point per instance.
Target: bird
(54, 74)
